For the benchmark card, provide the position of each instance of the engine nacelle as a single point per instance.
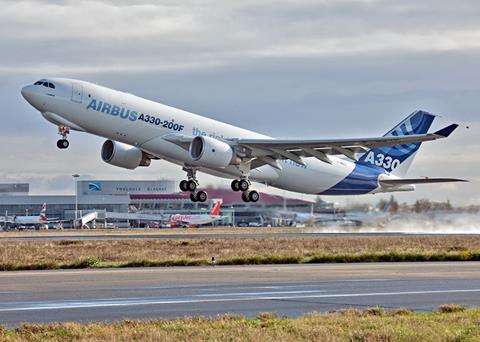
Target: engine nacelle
(123, 155)
(211, 152)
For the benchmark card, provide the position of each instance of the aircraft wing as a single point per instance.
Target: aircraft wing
(269, 151)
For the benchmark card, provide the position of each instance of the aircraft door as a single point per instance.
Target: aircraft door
(77, 92)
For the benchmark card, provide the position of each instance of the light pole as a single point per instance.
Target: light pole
(75, 176)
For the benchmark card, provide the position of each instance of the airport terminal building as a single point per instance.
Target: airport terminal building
(91, 195)
(15, 199)
(150, 196)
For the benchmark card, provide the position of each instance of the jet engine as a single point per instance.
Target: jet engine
(211, 152)
(123, 155)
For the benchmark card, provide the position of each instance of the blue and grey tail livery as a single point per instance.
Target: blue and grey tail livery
(396, 159)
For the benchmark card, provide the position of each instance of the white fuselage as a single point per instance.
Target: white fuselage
(70, 104)
(28, 220)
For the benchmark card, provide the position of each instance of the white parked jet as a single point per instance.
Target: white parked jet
(39, 221)
(139, 130)
(198, 219)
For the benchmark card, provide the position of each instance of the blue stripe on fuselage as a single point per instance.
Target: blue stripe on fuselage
(362, 180)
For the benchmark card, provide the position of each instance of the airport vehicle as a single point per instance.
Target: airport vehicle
(5, 221)
(191, 221)
(139, 131)
(40, 221)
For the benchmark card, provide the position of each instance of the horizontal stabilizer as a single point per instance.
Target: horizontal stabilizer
(446, 131)
(419, 181)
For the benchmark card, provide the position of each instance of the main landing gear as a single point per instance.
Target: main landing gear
(243, 185)
(191, 184)
(239, 185)
(63, 143)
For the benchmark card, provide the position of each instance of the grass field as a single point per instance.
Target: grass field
(450, 323)
(51, 254)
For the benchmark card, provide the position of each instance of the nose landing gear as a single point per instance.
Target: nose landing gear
(191, 184)
(63, 131)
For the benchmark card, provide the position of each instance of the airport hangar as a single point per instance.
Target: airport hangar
(150, 197)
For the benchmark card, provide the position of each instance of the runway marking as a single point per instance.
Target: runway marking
(206, 287)
(127, 302)
(256, 293)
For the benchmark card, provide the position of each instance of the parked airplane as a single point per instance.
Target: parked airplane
(39, 221)
(370, 218)
(196, 220)
(300, 219)
(139, 130)
(303, 218)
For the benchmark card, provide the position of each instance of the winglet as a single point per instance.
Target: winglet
(446, 131)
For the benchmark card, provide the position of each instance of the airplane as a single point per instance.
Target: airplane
(323, 219)
(199, 219)
(309, 220)
(139, 131)
(40, 221)
(303, 218)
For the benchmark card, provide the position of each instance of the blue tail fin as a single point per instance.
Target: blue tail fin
(397, 159)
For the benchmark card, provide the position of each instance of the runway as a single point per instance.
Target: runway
(292, 290)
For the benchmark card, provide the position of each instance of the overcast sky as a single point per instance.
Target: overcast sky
(309, 69)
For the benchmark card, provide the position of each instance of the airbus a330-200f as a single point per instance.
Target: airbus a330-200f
(139, 131)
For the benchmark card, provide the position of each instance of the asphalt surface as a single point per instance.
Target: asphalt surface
(292, 290)
(170, 236)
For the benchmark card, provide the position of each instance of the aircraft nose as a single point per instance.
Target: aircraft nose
(33, 97)
(27, 92)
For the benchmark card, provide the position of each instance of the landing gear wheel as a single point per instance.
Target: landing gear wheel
(243, 185)
(63, 144)
(245, 197)
(253, 196)
(183, 185)
(202, 196)
(235, 185)
(191, 185)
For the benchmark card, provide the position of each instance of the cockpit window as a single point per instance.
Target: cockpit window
(45, 84)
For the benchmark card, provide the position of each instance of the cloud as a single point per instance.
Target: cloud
(104, 36)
